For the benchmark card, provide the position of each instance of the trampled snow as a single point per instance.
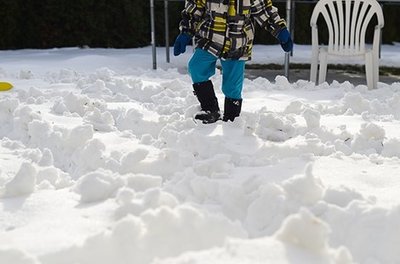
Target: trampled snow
(102, 162)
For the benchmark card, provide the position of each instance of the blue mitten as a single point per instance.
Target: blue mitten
(181, 41)
(285, 40)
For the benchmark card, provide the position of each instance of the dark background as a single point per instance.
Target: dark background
(125, 23)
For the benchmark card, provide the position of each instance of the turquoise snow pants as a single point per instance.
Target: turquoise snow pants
(202, 67)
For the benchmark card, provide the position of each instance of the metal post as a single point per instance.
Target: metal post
(166, 29)
(292, 21)
(287, 54)
(381, 37)
(153, 35)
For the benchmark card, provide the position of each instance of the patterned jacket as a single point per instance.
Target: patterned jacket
(225, 28)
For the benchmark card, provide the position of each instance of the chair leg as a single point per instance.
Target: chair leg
(375, 60)
(314, 67)
(369, 68)
(323, 64)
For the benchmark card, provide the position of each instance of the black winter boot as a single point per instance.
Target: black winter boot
(208, 102)
(232, 109)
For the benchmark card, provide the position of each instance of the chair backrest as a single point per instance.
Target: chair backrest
(347, 22)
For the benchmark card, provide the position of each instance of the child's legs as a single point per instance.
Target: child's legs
(201, 66)
(232, 78)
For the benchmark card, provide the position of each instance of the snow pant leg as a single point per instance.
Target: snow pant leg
(232, 78)
(201, 66)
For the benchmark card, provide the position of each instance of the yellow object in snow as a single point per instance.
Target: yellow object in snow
(5, 86)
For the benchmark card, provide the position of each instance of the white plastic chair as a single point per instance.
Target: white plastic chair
(347, 22)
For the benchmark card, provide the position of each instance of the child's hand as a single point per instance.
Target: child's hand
(285, 40)
(180, 43)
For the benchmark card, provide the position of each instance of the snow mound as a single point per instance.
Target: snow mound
(97, 186)
(163, 232)
(15, 256)
(22, 183)
(301, 239)
(304, 188)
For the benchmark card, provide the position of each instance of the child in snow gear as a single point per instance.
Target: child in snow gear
(224, 29)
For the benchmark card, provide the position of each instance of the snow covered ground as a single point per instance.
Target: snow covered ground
(101, 162)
